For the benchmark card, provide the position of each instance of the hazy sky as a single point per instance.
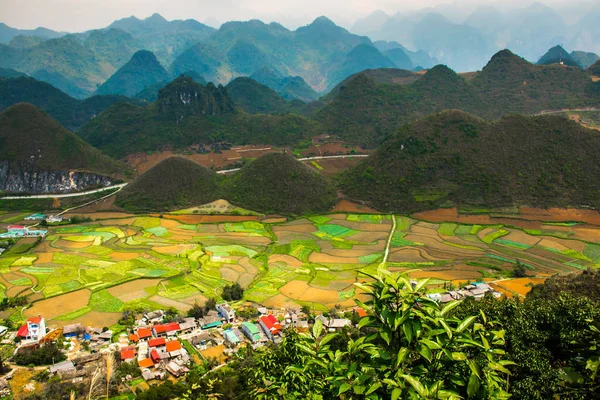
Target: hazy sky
(80, 15)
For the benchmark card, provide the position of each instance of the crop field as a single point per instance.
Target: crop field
(92, 272)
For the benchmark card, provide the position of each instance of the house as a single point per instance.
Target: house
(211, 320)
(54, 218)
(270, 325)
(174, 348)
(34, 329)
(35, 217)
(359, 312)
(226, 312)
(200, 339)
(147, 374)
(18, 231)
(157, 342)
(133, 338)
(231, 339)
(154, 356)
(166, 329)
(146, 363)
(128, 354)
(176, 370)
(143, 334)
(155, 317)
(73, 330)
(334, 324)
(188, 325)
(251, 331)
(63, 368)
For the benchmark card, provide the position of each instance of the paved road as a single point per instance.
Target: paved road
(227, 171)
(53, 196)
(546, 112)
(386, 255)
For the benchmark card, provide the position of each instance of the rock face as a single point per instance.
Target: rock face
(29, 179)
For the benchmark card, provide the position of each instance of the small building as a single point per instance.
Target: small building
(145, 363)
(334, 324)
(176, 370)
(54, 219)
(155, 317)
(166, 329)
(188, 325)
(143, 334)
(73, 330)
(63, 368)
(157, 342)
(230, 338)
(34, 329)
(211, 320)
(128, 354)
(226, 312)
(200, 339)
(270, 325)
(147, 374)
(35, 217)
(251, 331)
(19, 231)
(359, 312)
(173, 348)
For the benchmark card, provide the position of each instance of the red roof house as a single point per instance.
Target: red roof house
(173, 345)
(146, 363)
(127, 354)
(35, 320)
(134, 338)
(155, 356)
(144, 333)
(157, 342)
(360, 312)
(22, 331)
(166, 328)
(270, 325)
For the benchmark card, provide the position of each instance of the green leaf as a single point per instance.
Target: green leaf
(446, 328)
(401, 356)
(327, 339)
(386, 335)
(317, 328)
(425, 352)
(431, 344)
(473, 385)
(396, 393)
(449, 307)
(465, 324)
(373, 388)
(457, 356)
(416, 384)
(358, 389)
(408, 331)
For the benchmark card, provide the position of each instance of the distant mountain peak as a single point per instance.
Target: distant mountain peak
(156, 17)
(557, 55)
(323, 20)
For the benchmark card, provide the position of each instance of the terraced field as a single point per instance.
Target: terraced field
(91, 272)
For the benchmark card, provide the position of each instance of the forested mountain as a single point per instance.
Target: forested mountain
(558, 55)
(7, 33)
(256, 98)
(584, 59)
(454, 158)
(188, 113)
(10, 73)
(70, 112)
(321, 53)
(141, 71)
(288, 87)
(365, 111)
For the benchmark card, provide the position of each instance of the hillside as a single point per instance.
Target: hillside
(37, 155)
(150, 93)
(70, 112)
(558, 55)
(10, 73)
(278, 183)
(584, 59)
(172, 184)
(288, 87)
(379, 76)
(456, 159)
(595, 68)
(255, 98)
(365, 111)
(188, 113)
(141, 71)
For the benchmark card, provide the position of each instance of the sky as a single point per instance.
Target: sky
(80, 15)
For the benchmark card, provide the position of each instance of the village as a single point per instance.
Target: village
(165, 348)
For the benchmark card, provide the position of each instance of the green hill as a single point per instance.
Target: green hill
(379, 76)
(172, 184)
(70, 112)
(595, 68)
(188, 113)
(365, 111)
(30, 136)
(456, 159)
(558, 55)
(399, 58)
(255, 98)
(584, 59)
(295, 88)
(150, 93)
(278, 183)
(140, 72)
(10, 73)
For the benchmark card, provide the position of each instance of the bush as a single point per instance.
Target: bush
(47, 354)
(233, 292)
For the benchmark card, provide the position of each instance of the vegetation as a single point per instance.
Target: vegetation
(256, 98)
(198, 311)
(174, 183)
(31, 137)
(584, 59)
(366, 112)
(595, 68)
(44, 355)
(278, 183)
(289, 88)
(70, 112)
(453, 158)
(232, 292)
(558, 55)
(141, 71)
(207, 116)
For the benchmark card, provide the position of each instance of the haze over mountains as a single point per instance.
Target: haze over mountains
(312, 58)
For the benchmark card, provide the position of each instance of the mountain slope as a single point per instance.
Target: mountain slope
(141, 71)
(188, 113)
(584, 59)
(172, 184)
(70, 112)
(557, 55)
(456, 159)
(10, 73)
(278, 183)
(38, 155)
(255, 98)
(365, 111)
(288, 87)
(7, 33)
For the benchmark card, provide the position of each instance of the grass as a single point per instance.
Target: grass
(488, 239)
(105, 302)
(447, 229)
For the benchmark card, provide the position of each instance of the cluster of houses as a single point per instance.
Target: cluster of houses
(43, 217)
(476, 290)
(20, 231)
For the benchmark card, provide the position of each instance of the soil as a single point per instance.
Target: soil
(59, 305)
(348, 206)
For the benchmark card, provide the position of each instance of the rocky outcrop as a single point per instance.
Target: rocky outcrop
(26, 178)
